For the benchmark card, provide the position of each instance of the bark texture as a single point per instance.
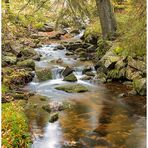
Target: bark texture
(107, 18)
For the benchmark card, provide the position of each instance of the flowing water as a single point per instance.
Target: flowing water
(96, 119)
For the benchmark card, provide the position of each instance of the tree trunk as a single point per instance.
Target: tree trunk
(107, 18)
(7, 2)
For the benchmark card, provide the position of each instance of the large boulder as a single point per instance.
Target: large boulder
(44, 74)
(72, 88)
(71, 78)
(137, 64)
(67, 71)
(26, 64)
(17, 77)
(111, 61)
(132, 74)
(140, 86)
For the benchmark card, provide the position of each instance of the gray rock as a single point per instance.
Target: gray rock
(101, 77)
(132, 74)
(53, 117)
(67, 71)
(86, 69)
(139, 86)
(137, 64)
(86, 78)
(69, 53)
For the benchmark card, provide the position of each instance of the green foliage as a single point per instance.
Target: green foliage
(134, 38)
(5, 89)
(14, 126)
(118, 50)
(93, 29)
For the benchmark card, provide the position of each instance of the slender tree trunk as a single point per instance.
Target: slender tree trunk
(7, 2)
(107, 18)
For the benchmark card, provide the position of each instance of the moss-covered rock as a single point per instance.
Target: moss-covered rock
(132, 74)
(86, 78)
(90, 73)
(79, 50)
(137, 64)
(46, 108)
(72, 88)
(8, 60)
(140, 86)
(113, 74)
(17, 77)
(44, 74)
(54, 117)
(70, 78)
(101, 77)
(26, 64)
(29, 53)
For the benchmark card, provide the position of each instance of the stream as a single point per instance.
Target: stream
(123, 124)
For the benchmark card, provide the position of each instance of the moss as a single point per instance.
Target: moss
(44, 74)
(5, 89)
(17, 77)
(70, 78)
(114, 74)
(28, 52)
(72, 88)
(10, 60)
(93, 28)
(26, 64)
(54, 117)
(15, 131)
(140, 86)
(118, 50)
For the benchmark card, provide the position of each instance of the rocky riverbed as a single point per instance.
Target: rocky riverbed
(73, 108)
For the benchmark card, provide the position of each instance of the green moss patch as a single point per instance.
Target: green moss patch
(15, 131)
(72, 88)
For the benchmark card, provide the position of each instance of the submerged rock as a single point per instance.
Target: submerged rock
(44, 74)
(72, 88)
(57, 106)
(70, 78)
(54, 117)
